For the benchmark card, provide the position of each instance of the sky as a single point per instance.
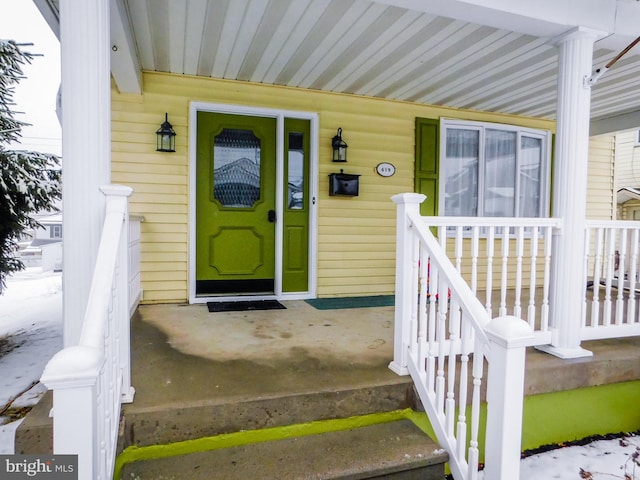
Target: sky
(36, 94)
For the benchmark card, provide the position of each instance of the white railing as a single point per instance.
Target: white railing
(612, 279)
(506, 262)
(440, 328)
(91, 380)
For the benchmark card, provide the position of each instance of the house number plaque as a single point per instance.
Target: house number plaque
(385, 169)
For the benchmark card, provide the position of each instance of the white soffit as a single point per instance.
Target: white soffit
(492, 55)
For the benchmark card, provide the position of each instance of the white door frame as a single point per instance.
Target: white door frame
(280, 116)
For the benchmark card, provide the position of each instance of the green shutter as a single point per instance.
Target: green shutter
(427, 164)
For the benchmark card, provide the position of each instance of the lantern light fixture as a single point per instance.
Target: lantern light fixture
(339, 147)
(166, 136)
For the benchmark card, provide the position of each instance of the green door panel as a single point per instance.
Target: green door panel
(427, 163)
(295, 258)
(235, 192)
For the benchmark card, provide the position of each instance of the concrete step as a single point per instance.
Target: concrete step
(392, 451)
(178, 421)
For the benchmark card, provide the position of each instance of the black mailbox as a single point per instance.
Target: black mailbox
(343, 184)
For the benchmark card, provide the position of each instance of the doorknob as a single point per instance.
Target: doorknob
(271, 216)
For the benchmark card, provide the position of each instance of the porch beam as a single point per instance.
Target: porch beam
(125, 64)
(575, 53)
(544, 18)
(86, 148)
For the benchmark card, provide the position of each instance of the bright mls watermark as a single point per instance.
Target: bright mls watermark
(52, 467)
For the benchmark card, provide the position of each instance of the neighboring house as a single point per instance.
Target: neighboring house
(44, 247)
(485, 108)
(627, 174)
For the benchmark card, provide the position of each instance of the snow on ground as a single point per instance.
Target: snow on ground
(30, 334)
(601, 459)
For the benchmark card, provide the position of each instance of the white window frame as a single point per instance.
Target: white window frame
(55, 231)
(545, 174)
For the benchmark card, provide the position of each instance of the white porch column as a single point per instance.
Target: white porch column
(570, 189)
(86, 148)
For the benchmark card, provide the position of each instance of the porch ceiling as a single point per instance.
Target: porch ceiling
(466, 54)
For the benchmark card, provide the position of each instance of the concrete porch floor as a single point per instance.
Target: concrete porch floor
(184, 353)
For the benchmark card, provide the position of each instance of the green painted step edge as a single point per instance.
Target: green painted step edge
(235, 439)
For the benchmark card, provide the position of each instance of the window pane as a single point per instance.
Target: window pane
(530, 176)
(295, 169)
(236, 168)
(500, 173)
(461, 172)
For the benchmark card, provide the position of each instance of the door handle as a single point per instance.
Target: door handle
(271, 216)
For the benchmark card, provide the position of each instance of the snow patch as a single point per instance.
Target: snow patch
(30, 334)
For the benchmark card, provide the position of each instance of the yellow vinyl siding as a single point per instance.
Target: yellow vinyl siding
(600, 193)
(356, 236)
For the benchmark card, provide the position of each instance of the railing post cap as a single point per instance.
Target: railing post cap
(76, 366)
(408, 198)
(509, 332)
(116, 190)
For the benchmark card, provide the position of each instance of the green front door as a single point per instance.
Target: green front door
(235, 204)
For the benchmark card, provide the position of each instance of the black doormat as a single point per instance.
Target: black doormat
(244, 306)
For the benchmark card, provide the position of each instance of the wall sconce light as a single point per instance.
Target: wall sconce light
(166, 136)
(339, 147)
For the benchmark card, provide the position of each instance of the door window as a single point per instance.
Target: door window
(295, 169)
(236, 168)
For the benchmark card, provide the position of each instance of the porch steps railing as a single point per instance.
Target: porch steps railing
(92, 379)
(440, 328)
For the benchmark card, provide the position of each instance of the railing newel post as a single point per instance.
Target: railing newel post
(72, 374)
(405, 293)
(508, 338)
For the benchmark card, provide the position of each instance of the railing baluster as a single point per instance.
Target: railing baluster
(474, 453)
(544, 314)
(622, 255)
(462, 396)
(459, 252)
(504, 277)
(414, 285)
(610, 243)
(433, 340)
(454, 349)
(442, 236)
(441, 335)
(423, 347)
(597, 269)
(585, 280)
(517, 307)
(531, 311)
(490, 253)
(475, 251)
(633, 273)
